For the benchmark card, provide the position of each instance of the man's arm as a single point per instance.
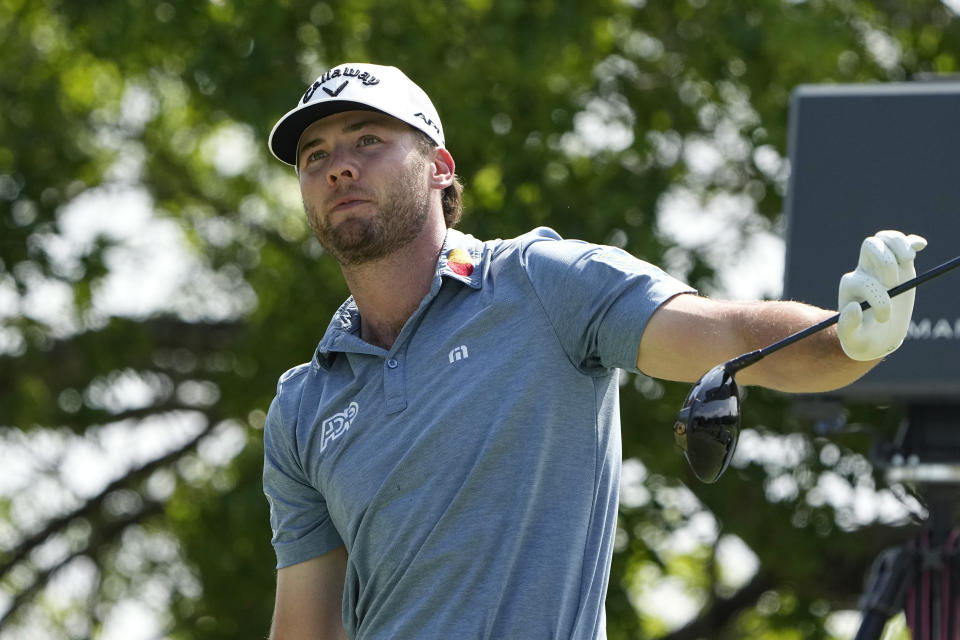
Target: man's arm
(309, 598)
(689, 335)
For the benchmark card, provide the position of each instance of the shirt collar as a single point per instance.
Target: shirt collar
(344, 325)
(461, 259)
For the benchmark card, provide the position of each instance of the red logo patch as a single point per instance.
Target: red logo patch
(459, 262)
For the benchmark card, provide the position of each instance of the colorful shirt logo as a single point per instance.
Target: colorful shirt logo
(459, 262)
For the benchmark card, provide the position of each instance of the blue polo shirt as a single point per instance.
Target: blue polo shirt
(471, 470)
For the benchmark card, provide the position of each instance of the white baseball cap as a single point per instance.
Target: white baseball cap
(370, 87)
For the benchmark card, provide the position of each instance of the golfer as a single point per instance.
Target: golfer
(446, 466)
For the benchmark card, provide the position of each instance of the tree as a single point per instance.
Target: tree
(584, 116)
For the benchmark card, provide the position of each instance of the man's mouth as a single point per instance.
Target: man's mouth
(345, 204)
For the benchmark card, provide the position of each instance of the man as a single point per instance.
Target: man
(447, 464)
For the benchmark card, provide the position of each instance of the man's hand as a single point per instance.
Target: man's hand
(886, 260)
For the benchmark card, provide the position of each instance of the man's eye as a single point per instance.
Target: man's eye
(316, 155)
(366, 141)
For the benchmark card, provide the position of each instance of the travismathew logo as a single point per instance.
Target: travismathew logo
(367, 78)
(337, 425)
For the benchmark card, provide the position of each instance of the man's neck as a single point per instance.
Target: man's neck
(389, 290)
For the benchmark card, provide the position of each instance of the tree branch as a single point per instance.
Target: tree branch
(722, 610)
(102, 536)
(122, 343)
(53, 526)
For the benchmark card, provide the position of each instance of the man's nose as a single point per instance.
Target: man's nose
(342, 166)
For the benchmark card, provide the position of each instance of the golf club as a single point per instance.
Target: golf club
(708, 423)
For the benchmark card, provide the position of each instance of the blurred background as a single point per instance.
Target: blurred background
(157, 275)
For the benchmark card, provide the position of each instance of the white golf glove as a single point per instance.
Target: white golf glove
(886, 260)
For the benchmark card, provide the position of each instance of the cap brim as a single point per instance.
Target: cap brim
(286, 134)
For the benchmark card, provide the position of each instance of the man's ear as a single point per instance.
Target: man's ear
(443, 167)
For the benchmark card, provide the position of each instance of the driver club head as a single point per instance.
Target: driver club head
(709, 421)
(708, 424)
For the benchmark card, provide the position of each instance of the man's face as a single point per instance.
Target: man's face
(364, 184)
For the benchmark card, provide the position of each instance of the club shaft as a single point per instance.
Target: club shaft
(747, 359)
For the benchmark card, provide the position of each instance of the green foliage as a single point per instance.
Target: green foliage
(581, 116)
(219, 526)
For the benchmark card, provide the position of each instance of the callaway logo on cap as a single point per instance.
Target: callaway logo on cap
(350, 86)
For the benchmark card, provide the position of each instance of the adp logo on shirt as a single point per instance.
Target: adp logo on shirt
(337, 424)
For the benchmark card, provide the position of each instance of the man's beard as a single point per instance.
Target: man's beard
(400, 217)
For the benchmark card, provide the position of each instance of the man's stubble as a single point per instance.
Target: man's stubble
(401, 214)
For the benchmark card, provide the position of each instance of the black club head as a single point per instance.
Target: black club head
(708, 424)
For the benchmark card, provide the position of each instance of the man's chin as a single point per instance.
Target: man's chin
(352, 232)
(355, 245)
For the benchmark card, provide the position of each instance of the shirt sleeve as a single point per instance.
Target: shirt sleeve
(299, 518)
(597, 298)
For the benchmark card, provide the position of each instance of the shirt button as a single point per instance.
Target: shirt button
(392, 364)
